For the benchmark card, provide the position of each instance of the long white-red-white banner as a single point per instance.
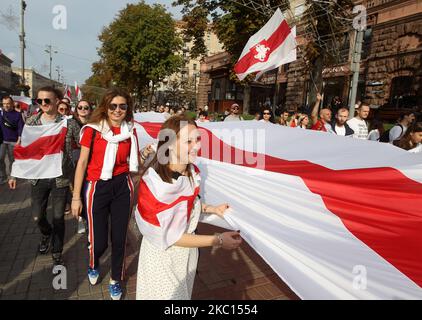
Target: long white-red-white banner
(40, 153)
(336, 218)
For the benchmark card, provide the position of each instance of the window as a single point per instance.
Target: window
(366, 46)
(217, 91)
(403, 93)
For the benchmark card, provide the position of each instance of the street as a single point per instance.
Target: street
(24, 274)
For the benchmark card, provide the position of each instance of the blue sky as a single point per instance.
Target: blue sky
(76, 46)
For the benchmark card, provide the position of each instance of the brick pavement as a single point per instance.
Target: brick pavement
(24, 274)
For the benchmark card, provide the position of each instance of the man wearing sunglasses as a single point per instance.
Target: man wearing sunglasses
(11, 125)
(234, 113)
(51, 234)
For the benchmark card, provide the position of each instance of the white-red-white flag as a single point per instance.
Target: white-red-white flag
(162, 214)
(40, 153)
(67, 93)
(267, 49)
(336, 218)
(78, 91)
(23, 101)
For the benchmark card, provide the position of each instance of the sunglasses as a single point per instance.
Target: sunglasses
(39, 101)
(267, 113)
(83, 108)
(113, 106)
(62, 109)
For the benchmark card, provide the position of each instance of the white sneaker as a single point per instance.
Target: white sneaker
(81, 225)
(93, 276)
(115, 290)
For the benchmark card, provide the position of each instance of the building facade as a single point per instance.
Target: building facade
(6, 82)
(35, 81)
(186, 81)
(219, 90)
(390, 70)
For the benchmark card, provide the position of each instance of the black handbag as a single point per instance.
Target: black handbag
(8, 124)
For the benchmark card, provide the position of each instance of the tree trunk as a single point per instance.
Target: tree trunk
(246, 98)
(139, 95)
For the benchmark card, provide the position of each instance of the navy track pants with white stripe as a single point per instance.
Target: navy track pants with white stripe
(105, 201)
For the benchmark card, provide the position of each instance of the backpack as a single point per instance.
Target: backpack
(385, 137)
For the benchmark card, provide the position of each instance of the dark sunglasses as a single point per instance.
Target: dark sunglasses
(84, 108)
(267, 113)
(39, 101)
(113, 106)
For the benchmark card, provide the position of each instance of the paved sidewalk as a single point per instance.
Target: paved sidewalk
(24, 274)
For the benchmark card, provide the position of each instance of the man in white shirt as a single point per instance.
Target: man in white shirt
(234, 113)
(398, 131)
(358, 124)
(339, 126)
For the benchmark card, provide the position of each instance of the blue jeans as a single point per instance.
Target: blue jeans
(6, 148)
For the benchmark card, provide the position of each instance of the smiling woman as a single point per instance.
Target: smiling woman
(168, 213)
(107, 110)
(109, 151)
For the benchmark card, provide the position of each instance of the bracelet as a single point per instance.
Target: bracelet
(220, 240)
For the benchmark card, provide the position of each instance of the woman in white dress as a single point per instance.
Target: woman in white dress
(167, 215)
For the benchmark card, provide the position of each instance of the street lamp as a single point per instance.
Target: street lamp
(23, 46)
(59, 73)
(50, 51)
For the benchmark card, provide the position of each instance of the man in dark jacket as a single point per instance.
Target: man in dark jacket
(339, 126)
(11, 125)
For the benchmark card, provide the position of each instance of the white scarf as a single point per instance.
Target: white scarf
(126, 132)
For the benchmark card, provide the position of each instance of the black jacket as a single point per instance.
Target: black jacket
(349, 131)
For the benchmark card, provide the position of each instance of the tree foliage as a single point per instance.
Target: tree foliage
(233, 23)
(139, 47)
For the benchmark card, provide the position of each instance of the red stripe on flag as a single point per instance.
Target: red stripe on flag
(41, 147)
(152, 128)
(148, 206)
(380, 206)
(273, 42)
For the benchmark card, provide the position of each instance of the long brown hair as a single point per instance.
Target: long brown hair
(100, 113)
(174, 123)
(405, 142)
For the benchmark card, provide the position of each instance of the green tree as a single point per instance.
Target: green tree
(139, 48)
(96, 85)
